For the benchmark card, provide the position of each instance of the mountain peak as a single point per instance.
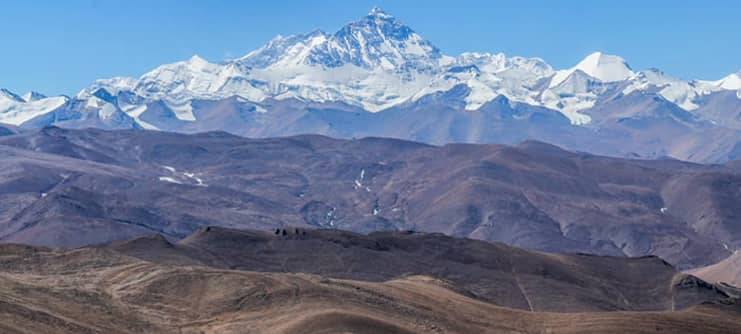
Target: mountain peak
(10, 95)
(33, 96)
(605, 67)
(380, 40)
(197, 60)
(380, 13)
(377, 40)
(601, 66)
(731, 82)
(599, 57)
(198, 64)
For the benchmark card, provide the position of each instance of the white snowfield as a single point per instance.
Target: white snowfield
(16, 110)
(376, 63)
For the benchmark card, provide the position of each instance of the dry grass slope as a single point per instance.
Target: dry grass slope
(98, 290)
(727, 271)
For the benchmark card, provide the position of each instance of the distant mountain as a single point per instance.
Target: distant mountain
(16, 110)
(69, 188)
(377, 40)
(371, 77)
(33, 96)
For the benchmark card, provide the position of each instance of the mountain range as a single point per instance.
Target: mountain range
(378, 77)
(71, 188)
(363, 181)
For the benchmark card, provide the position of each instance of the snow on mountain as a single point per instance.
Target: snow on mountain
(285, 51)
(16, 110)
(33, 96)
(681, 93)
(606, 68)
(196, 78)
(6, 95)
(178, 83)
(578, 91)
(376, 63)
(377, 40)
(112, 85)
(489, 76)
(731, 82)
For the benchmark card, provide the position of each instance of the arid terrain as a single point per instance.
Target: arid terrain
(186, 287)
(214, 233)
(726, 271)
(71, 188)
(529, 167)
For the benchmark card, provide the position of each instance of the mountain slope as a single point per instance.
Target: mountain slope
(495, 273)
(96, 290)
(16, 110)
(76, 187)
(6, 130)
(727, 271)
(377, 40)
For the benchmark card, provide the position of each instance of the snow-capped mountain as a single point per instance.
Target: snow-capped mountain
(731, 82)
(377, 40)
(16, 109)
(33, 96)
(378, 62)
(605, 68)
(374, 65)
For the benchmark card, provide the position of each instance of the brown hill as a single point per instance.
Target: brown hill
(495, 273)
(98, 290)
(727, 271)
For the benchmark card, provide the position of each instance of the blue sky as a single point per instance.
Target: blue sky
(58, 47)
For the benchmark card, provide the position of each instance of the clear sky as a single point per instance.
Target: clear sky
(59, 47)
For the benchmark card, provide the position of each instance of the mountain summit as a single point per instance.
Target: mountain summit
(606, 68)
(377, 40)
(378, 12)
(731, 82)
(33, 96)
